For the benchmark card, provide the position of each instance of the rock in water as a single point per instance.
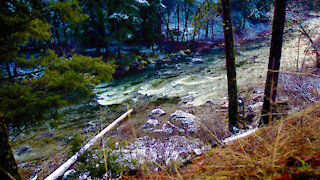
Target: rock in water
(197, 60)
(157, 112)
(23, 149)
(187, 120)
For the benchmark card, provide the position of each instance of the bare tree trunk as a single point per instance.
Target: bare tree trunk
(178, 11)
(196, 24)
(186, 12)
(274, 61)
(207, 23)
(159, 28)
(169, 33)
(230, 63)
(168, 25)
(8, 165)
(207, 30)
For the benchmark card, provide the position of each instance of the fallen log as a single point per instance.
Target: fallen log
(59, 172)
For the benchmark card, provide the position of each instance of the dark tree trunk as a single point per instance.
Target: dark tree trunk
(186, 12)
(196, 24)
(207, 29)
(8, 165)
(274, 61)
(169, 33)
(168, 27)
(178, 10)
(207, 24)
(230, 63)
(159, 28)
(243, 18)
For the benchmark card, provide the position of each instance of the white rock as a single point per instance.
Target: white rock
(256, 107)
(197, 60)
(68, 173)
(151, 124)
(157, 112)
(34, 177)
(189, 121)
(197, 151)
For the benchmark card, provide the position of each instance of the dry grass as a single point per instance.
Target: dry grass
(287, 149)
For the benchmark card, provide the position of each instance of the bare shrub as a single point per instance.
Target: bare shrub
(305, 26)
(299, 89)
(213, 124)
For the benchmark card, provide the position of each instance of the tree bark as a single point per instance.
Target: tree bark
(178, 11)
(159, 28)
(186, 12)
(196, 24)
(230, 63)
(274, 61)
(8, 165)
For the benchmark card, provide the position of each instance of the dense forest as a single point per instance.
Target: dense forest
(66, 65)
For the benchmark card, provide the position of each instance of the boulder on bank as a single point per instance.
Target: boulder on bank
(185, 120)
(169, 128)
(157, 112)
(151, 124)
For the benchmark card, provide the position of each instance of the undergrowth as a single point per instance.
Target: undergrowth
(92, 163)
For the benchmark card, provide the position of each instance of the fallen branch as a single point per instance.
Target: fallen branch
(59, 172)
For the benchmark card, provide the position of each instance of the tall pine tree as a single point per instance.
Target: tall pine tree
(270, 92)
(230, 63)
